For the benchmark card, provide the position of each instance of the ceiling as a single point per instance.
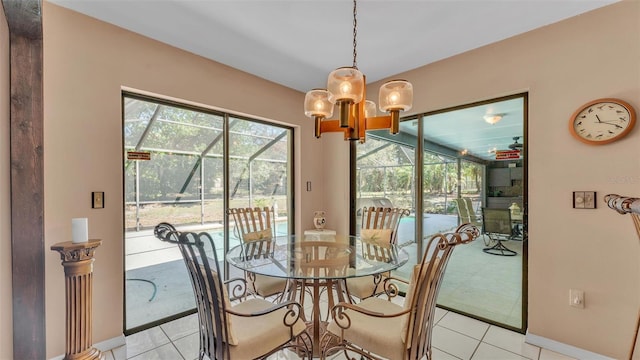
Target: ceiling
(466, 131)
(296, 43)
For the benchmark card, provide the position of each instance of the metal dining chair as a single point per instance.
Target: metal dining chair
(379, 225)
(255, 227)
(250, 329)
(378, 328)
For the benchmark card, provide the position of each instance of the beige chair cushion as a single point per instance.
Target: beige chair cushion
(364, 286)
(374, 333)
(265, 234)
(376, 244)
(258, 335)
(409, 296)
(268, 285)
(230, 333)
(376, 236)
(264, 285)
(361, 287)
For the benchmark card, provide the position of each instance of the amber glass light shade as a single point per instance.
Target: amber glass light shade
(396, 95)
(317, 104)
(345, 84)
(370, 109)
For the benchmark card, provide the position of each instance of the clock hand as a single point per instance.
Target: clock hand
(608, 123)
(597, 117)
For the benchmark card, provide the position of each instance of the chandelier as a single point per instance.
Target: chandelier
(346, 87)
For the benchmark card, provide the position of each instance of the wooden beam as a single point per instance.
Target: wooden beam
(24, 18)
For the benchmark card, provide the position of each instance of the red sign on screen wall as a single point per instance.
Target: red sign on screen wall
(138, 155)
(507, 154)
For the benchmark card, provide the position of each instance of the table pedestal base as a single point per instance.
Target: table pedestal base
(316, 326)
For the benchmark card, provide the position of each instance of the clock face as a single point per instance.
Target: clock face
(602, 121)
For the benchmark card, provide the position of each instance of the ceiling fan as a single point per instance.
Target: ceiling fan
(516, 145)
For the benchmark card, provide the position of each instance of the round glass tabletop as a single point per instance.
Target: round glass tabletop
(297, 257)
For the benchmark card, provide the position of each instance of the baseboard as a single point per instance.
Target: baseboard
(109, 344)
(563, 349)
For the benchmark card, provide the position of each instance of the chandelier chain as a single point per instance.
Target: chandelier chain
(355, 34)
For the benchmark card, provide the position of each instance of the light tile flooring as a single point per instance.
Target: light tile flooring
(454, 337)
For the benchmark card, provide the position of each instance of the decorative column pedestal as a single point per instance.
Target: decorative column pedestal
(77, 259)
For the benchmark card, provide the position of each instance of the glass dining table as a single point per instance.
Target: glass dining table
(314, 266)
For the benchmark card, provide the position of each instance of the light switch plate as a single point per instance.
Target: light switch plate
(97, 200)
(584, 199)
(576, 298)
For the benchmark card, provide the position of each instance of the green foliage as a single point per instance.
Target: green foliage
(186, 149)
(386, 169)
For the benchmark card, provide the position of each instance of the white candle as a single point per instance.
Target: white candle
(80, 230)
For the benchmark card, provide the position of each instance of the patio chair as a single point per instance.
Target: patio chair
(473, 218)
(407, 328)
(463, 212)
(497, 225)
(252, 328)
(379, 225)
(255, 228)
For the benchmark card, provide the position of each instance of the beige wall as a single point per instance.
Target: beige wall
(86, 63)
(563, 66)
(6, 342)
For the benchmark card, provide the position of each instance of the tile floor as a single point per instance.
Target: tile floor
(454, 337)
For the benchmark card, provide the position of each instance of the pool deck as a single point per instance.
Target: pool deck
(143, 249)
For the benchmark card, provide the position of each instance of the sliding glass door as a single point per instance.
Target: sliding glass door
(461, 160)
(176, 161)
(385, 177)
(479, 280)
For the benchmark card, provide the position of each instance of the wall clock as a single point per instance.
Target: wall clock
(602, 121)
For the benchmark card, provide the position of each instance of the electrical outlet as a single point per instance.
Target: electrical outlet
(576, 298)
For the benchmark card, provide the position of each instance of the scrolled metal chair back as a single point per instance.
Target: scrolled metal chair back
(383, 218)
(429, 276)
(208, 288)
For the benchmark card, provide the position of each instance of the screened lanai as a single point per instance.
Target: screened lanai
(183, 177)
(435, 161)
(186, 165)
(386, 168)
